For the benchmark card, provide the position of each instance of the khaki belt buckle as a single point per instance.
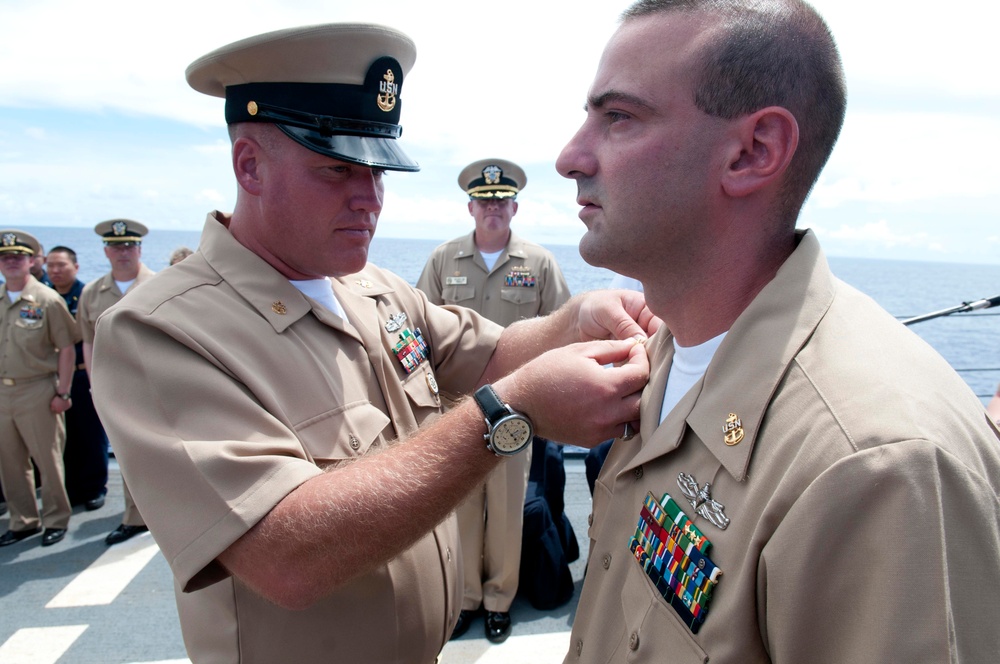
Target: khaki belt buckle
(9, 382)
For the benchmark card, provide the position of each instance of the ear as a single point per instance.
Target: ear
(766, 143)
(514, 204)
(470, 209)
(247, 154)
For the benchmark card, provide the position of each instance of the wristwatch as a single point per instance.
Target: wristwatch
(65, 397)
(507, 431)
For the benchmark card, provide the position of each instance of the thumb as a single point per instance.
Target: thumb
(614, 351)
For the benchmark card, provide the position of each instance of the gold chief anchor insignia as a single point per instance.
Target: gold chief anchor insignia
(389, 90)
(701, 500)
(733, 430)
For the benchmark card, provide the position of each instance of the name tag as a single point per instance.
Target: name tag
(456, 281)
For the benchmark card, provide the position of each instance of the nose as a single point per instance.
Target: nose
(577, 159)
(368, 191)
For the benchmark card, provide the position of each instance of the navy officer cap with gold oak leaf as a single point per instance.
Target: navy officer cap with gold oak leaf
(492, 178)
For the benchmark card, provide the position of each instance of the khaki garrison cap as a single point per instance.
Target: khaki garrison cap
(492, 178)
(118, 231)
(334, 88)
(13, 241)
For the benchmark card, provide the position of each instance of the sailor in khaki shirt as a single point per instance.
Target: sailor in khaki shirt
(275, 402)
(37, 358)
(810, 481)
(506, 279)
(123, 247)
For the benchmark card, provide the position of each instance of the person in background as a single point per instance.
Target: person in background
(810, 482)
(179, 254)
(275, 402)
(123, 247)
(38, 267)
(86, 454)
(37, 334)
(506, 279)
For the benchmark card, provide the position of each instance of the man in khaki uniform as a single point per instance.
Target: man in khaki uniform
(246, 387)
(123, 247)
(506, 279)
(37, 334)
(811, 482)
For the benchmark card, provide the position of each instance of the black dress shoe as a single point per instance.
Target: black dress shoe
(122, 533)
(497, 626)
(465, 618)
(53, 535)
(14, 536)
(94, 504)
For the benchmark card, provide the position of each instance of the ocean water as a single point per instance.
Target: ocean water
(970, 342)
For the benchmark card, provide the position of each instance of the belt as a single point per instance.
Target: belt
(81, 367)
(10, 382)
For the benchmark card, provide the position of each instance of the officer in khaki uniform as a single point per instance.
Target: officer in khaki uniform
(123, 247)
(811, 482)
(506, 279)
(37, 335)
(245, 388)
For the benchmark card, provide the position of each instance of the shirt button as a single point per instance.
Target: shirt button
(633, 641)
(606, 561)
(355, 443)
(638, 473)
(448, 553)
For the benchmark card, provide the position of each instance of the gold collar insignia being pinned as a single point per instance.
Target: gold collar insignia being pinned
(733, 430)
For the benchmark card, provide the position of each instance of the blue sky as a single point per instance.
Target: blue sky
(96, 120)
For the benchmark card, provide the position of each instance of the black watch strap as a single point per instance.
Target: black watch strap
(489, 402)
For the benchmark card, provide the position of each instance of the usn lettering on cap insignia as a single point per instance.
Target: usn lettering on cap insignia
(388, 89)
(701, 500)
(279, 308)
(733, 430)
(395, 322)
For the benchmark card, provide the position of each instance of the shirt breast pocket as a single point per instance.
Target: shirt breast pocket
(458, 293)
(344, 433)
(519, 295)
(29, 323)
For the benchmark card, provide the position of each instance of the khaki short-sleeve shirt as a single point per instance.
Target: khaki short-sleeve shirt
(524, 282)
(98, 296)
(223, 388)
(859, 475)
(32, 330)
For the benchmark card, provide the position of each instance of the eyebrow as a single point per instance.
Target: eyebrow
(615, 96)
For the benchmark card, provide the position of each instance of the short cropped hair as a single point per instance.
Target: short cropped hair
(66, 250)
(770, 53)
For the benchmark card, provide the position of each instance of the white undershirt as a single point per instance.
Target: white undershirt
(123, 286)
(491, 258)
(14, 294)
(688, 367)
(321, 290)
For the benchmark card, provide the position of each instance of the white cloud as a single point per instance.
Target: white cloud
(880, 233)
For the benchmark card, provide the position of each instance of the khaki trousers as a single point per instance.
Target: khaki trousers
(30, 430)
(489, 528)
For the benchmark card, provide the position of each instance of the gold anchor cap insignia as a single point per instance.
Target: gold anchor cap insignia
(388, 89)
(279, 307)
(733, 430)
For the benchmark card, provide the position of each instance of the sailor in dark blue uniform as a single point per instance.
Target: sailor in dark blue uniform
(86, 454)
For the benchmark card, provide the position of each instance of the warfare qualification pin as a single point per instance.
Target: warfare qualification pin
(701, 500)
(733, 430)
(395, 322)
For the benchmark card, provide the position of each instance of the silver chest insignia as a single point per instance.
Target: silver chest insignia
(701, 500)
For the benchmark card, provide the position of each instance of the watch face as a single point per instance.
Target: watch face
(510, 435)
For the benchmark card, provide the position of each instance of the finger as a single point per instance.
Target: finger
(611, 351)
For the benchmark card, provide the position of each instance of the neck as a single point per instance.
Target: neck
(488, 243)
(17, 283)
(63, 290)
(128, 275)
